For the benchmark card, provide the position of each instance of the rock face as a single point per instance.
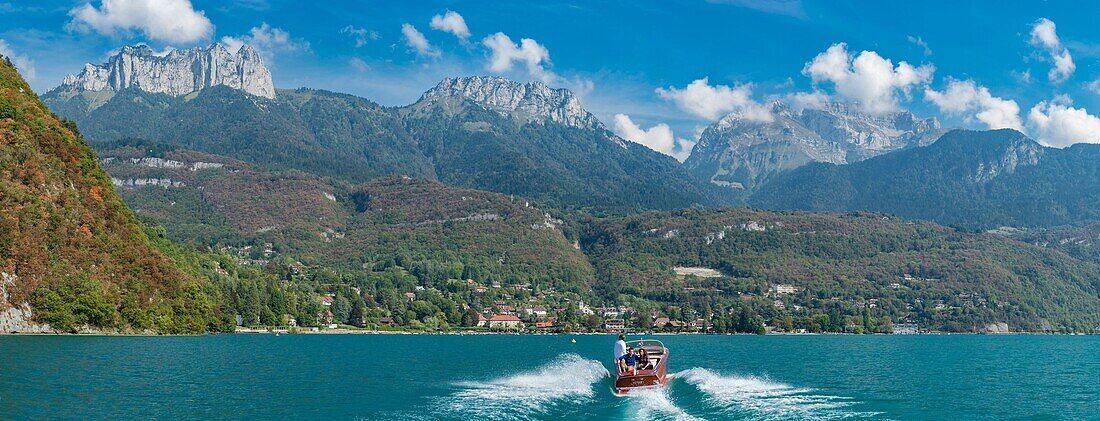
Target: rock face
(531, 101)
(177, 73)
(743, 152)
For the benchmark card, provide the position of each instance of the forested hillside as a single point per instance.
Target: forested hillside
(858, 271)
(971, 179)
(72, 253)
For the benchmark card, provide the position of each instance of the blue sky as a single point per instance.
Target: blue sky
(1031, 66)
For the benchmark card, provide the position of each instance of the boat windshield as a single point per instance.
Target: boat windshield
(650, 345)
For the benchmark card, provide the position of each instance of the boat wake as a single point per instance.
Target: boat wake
(565, 383)
(655, 404)
(756, 398)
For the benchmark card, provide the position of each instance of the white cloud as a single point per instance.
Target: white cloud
(869, 79)
(504, 53)
(267, 40)
(815, 100)
(361, 35)
(658, 138)
(713, 102)
(1043, 34)
(24, 64)
(920, 43)
(1056, 123)
(416, 40)
(451, 22)
(966, 97)
(165, 20)
(1094, 86)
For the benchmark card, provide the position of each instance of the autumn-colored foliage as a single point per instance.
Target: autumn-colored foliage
(68, 245)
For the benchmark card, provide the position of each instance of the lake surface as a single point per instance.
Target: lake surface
(464, 377)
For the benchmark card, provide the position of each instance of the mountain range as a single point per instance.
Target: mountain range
(485, 181)
(744, 150)
(482, 132)
(972, 179)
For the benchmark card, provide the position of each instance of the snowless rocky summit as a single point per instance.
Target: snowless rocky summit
(742, 151)
(177, 73)
(527, 101)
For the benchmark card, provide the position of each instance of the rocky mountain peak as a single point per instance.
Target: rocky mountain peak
(531, 101)
(740, 151)
(179, 72)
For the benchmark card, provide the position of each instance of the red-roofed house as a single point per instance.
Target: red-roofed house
(504, 321)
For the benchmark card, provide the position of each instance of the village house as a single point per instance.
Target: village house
(326, 300)
(660, 322)
(779, 305)
(411, 296)
(539, 311)
(544, 325)
(482, 321)
(385, 321)
(505, 321)
(614, 325)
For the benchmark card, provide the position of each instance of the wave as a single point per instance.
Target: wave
(564, 383)
(757, 398)
(655, 404)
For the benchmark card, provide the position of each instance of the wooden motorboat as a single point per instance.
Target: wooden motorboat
(652, 375)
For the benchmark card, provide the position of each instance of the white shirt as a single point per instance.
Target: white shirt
(620, 349)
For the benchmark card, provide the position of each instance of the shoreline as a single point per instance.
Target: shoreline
(397, 332)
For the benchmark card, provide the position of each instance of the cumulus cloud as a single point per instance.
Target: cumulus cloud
(1044, 35)
(451, 22)
(165, 20)
(24, 64)
(658, 138)
(361, 35)
(1056, 123)
(504, 54)
(267, 40)
(416, 40)
(869, 79)
(815, 100)
(920, 43)
(966, 97)
(712, 102)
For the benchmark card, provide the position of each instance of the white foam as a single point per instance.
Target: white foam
(567, 380)
(654, 404)
(763, 399)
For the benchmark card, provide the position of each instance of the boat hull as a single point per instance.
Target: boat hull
(644, 379)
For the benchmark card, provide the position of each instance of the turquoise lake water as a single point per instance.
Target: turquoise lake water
(546, 377)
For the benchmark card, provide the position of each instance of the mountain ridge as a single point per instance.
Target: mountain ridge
(973, 179)
(177, 73)
(744, 151)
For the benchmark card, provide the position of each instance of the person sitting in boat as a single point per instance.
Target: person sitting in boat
(643, 360)
(630, 362)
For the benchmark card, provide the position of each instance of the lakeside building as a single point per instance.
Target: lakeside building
(505, 321)
(614, 325)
